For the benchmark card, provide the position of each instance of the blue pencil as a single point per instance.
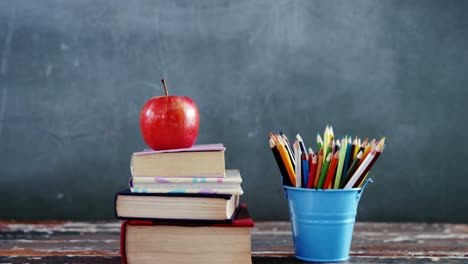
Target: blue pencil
(305, 170)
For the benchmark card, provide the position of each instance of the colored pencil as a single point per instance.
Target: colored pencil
(337, 145)
(351, 169)
(363, 179)
(326, 140)
(366, 170)
(364, 145)
(301, 143)
(360, 170)
(324, 171)
(339, 169)
(347, 161)
(279, 161)
(297, 153)
(305, 170)
(329, 148)
(288, 147)
(331, 171)
(312, 170)
(367, 149)
(319, 168)
(287, 162)
(353, 147)
(338, 164)
(309, 158)
(311, 151)
(380, 147)
(356, 148)
(319, 141)
(366, 165)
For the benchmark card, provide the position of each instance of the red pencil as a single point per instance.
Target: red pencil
(311, 155)
(379, 150)
(312, 169)
(331, 170)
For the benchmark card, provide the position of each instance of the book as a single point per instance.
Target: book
(160, 242)
(197, 161)
(175, 206)
(231, 184)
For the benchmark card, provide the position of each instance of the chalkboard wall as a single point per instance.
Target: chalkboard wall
(75, 74)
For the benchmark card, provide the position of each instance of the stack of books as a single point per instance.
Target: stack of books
(182, 206)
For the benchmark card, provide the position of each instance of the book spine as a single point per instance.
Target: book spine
(131, 165)
(213, 176)
(187, 186)
(123, 234)
(194, 180)
(236, 191)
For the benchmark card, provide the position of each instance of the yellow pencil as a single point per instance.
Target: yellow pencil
(381, 143)
(287, 161)
(356, 149)
(326, 140)
(354, 146)
(286, 144)
(367, 150)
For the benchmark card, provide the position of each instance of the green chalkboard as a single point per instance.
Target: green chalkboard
(75, 74)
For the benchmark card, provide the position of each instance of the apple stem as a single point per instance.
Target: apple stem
(165, 87)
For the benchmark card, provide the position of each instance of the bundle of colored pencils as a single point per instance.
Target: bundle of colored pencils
(338, 164)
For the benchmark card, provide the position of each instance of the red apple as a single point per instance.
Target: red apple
(169, 122)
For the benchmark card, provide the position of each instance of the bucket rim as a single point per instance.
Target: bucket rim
(320, 190)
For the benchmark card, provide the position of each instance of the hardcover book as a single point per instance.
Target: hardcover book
(231, 184)
(174, 206)
(145, 242)
(197, 161)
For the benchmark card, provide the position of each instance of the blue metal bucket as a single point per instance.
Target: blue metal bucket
(322, 222)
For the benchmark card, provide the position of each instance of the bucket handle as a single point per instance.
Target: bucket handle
(359, 194)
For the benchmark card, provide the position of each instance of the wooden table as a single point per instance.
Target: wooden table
(78, 242)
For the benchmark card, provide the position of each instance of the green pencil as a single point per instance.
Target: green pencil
(319, 141)
(324, 171)
(339, 170)
(329, 148)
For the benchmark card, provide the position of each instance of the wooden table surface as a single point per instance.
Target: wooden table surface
(78, 242)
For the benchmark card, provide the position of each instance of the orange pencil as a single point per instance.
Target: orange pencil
(319, 168)
(331, 170)
(279, 161)
(287, 161)
(287, 145)
(364, 144)
(367, 149)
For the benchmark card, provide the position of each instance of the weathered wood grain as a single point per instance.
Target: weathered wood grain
(255, 260)
(78, 242)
